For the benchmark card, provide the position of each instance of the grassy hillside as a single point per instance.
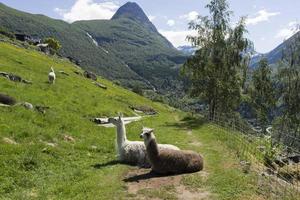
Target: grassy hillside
(128, 51)
(43, 165)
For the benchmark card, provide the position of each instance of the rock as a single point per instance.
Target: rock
(78, 73)
(90, 75)
(100, 120)
(50, 144)
(69, 138)
(9, 141)
(4, 74)
(245, 166)
(7, 100)
(42, 109)
(100, 85)
(261, 148)
(14, 77)
(64, 73)
(26, 82)
(281, 161)
(27, 105)
(94, 147)
(144, 109)
(294, 158)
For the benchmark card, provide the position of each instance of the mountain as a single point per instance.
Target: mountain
(276, 54)
(187, 50)
(133, 11)
(127, 48)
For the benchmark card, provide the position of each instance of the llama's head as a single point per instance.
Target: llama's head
(147, 134)
(116, 121)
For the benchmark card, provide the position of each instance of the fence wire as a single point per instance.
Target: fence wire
(275, 165)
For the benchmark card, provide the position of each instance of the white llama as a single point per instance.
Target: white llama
(132, 152)
(52, 76)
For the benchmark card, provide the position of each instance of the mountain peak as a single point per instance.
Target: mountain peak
(133, 11)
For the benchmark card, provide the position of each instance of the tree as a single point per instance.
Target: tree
(137, 89)
(217, 67)
(262, 93)
(289, 89)
(53, 44)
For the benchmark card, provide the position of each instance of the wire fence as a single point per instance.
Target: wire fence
(274, 164)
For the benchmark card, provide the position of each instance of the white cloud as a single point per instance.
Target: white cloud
(88, 10)
(288, 31)
(152, 18)
(177, 38)
(171, 22)
(261, 16)
(190, 16)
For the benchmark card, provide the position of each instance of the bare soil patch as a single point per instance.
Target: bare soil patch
(140, 179)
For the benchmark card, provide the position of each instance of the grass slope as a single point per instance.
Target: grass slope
(85, 168)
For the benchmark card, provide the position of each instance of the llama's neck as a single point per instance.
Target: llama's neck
(121, 134)
(152, 149)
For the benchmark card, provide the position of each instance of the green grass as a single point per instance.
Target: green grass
(84, 169)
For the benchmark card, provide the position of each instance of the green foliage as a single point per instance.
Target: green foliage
(5, 32)
(271, 151)
(288, 78)
(53, 43)
(137, 89)
(216, 69)
(263, 92)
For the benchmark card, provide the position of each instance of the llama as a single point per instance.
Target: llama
(132, 152)
(52, 76)
(170, 161)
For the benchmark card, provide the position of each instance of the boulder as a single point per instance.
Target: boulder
(90, 75)
(100, 85)
(7, 100)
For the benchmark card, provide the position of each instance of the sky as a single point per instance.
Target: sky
(269, 22)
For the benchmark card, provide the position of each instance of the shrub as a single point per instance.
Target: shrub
(53, 44)
(6, 33)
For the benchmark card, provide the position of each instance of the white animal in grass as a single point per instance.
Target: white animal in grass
(132, 152)
(51, 76)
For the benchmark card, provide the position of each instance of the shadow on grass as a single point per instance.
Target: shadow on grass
(102, 165)
(188, 122)
(149, 175)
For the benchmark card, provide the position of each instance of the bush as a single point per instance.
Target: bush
(137, 89)
(6, 33)
(53, 44)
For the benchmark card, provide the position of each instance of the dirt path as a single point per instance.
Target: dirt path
(142, 184)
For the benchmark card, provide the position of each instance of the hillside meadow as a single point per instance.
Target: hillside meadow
(42, 163)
